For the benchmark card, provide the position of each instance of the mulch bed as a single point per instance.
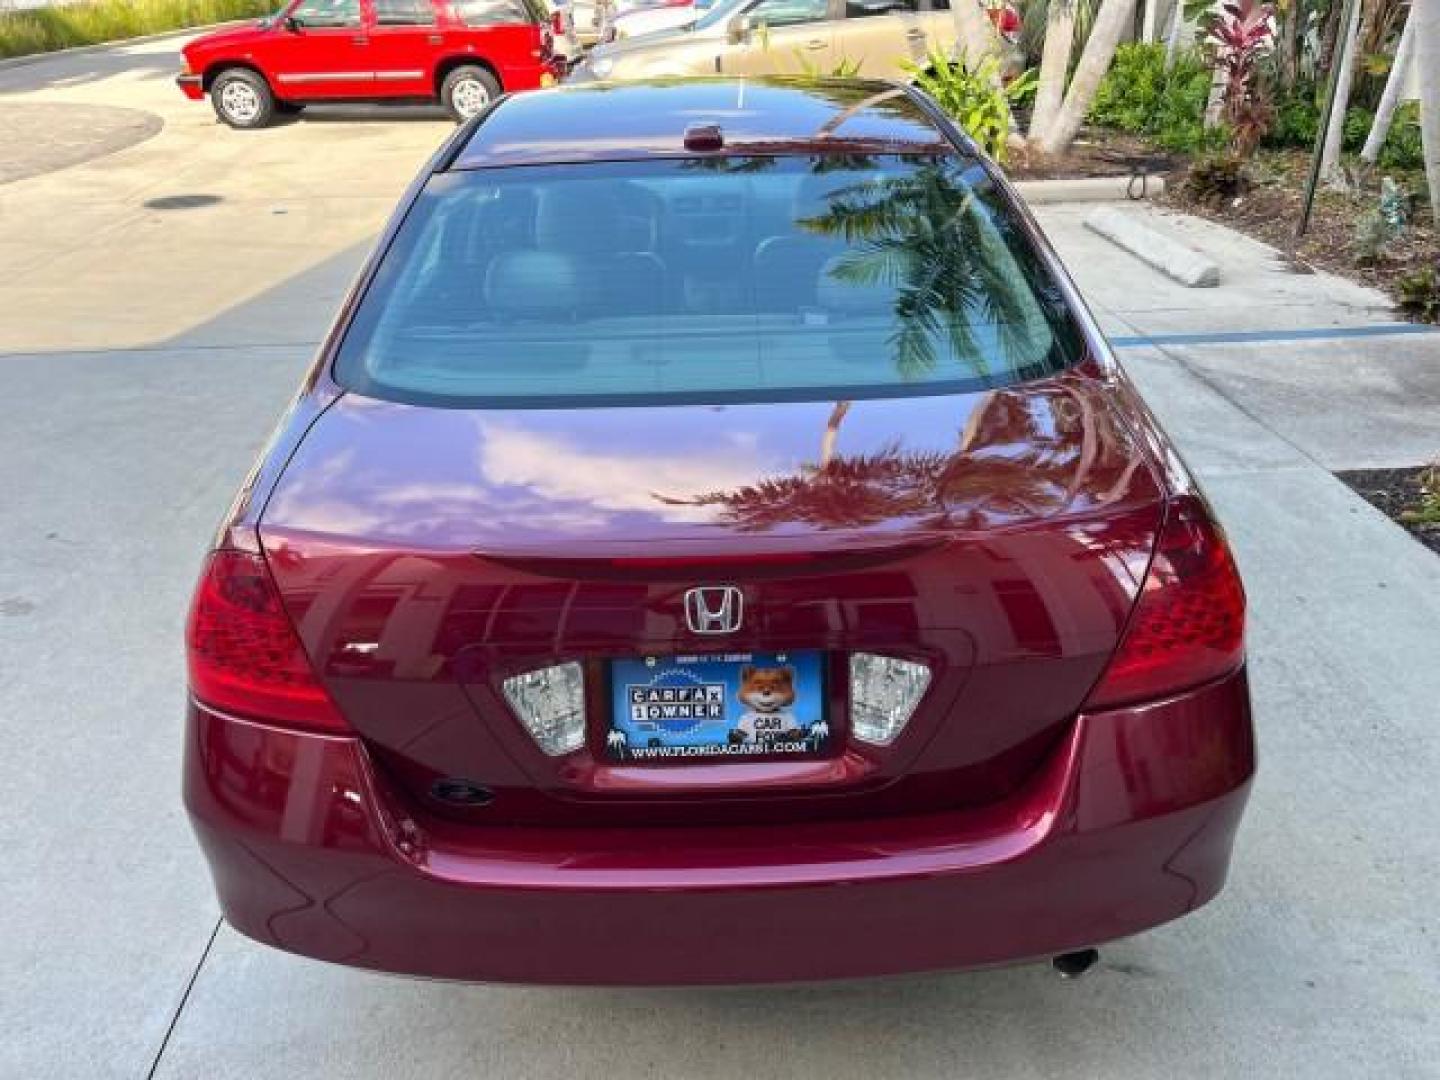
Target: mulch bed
(1270, 210)
(1096, 152)
(1393, 492)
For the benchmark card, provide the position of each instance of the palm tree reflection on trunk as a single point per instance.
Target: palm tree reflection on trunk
(1023, 453)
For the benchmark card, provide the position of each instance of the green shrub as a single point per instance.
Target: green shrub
(1216, 179)
(90, 22)
(1139, 96)
(1296, 123)
(1358, 122)
(973, 98)
(1403, 148)
(1420, 294)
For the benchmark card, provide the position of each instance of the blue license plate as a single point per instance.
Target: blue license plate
(723, 707)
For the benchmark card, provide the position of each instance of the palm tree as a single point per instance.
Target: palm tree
(1335, 133)
(1394, 83)
(1114, 19)
(1426, 14)
(1054, 65)
(975, 31)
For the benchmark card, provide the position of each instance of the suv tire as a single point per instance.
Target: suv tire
(242, 99)
(467, 90)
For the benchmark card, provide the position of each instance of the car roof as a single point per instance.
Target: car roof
(773, 115)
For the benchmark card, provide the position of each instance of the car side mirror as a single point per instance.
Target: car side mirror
(740, 28)
(292, 24)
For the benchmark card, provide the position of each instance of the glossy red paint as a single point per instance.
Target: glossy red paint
(1125, 824)
(1011, 575)
(424, 554)
(373, 59)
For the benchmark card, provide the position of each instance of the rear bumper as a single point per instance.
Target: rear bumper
(1128, 825)
(191, 86)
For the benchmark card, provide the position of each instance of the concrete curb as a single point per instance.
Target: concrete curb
(101, 46)
(1091, 189)
(1172, 258)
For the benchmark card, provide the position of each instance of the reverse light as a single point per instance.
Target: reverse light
(883, 694)
(244, 655)
(550, 703)
(1188, 626)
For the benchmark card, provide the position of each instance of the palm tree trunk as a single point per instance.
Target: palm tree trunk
(974, 31)
(1149, 20)
(1172, 40)
(1335, 133)
(1289, 46)
(1399, 69)
(1426, 15)
(831, 437)
(1054, 65)
(1110, 24)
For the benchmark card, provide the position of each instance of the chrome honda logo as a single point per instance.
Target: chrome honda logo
(716, 610)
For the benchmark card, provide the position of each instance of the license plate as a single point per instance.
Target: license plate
(727, 707)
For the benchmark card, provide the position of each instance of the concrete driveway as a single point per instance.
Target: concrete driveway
(147, 351)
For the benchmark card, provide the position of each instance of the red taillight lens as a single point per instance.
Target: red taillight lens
(244, 655)
(1189, 624)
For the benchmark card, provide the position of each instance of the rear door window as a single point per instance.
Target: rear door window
(715, 279)
(404, 13)
(493, 12)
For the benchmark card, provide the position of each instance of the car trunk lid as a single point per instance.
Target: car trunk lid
(997, 537)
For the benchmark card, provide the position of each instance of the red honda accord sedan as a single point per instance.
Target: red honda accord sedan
(715, 544)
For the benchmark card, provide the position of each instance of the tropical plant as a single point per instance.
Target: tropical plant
(1420, 294)
(1236, 37)
(810, 71)
(1427, 511)
(1380, 225)
(1215, 180)
(974, 96)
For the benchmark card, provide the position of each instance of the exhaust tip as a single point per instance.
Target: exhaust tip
(1072, 965)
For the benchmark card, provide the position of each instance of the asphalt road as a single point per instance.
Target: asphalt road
(144, 355)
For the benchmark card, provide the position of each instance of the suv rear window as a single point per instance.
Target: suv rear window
(714, 279)
(497, 12)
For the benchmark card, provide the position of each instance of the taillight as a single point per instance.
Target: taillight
(1188, 625)
(244, 655)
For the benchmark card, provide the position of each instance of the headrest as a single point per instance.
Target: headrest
(578, 216)
(536, 285)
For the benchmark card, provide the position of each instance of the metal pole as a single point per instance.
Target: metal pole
(1342, 51)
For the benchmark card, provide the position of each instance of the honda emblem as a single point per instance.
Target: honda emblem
(716, 610)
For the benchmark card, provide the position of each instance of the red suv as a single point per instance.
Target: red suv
(461, 52)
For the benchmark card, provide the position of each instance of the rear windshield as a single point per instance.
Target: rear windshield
(708, 280)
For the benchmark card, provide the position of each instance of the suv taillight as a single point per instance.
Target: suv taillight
(1188, 626)
(244, 655)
